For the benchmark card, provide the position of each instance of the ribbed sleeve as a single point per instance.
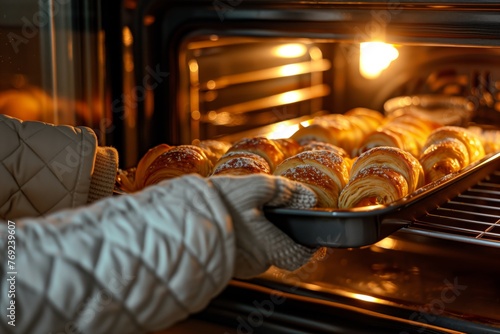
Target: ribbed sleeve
(104, 174)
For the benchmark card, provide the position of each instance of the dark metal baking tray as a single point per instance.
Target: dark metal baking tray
(367, 225)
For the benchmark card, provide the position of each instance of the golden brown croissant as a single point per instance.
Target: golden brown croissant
(177, 161)
(214, 149)
(317, 145)
(371, 119)
(325, 172)
(346, 131)
(405, 132)
(241, 163)
(449, 149)
(489, 137)
(471, 141)
(367, 120)
(444, 157)
(262, 146)
(373, 185)
(288, 146)
(315, 132)
(133, 179)
(146, 160)
(393, 172)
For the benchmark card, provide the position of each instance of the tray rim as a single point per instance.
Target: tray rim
(404, 202)
(365, 226)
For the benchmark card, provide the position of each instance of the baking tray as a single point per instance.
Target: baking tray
(365, 226)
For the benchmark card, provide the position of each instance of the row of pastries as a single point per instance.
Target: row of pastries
(349, 160)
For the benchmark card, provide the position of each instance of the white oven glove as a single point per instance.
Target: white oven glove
(259, 243)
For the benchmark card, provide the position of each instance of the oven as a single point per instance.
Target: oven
(141, 73)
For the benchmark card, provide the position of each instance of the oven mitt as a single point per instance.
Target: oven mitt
(259, 243)
(45, 168)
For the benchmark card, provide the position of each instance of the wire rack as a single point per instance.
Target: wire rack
(472, 216)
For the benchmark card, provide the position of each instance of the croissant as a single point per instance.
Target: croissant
(406, 132)
(133, 179)
(146, 160)
(489, 137)
(262, 146)
(241, 163)
(471, 141)
(315, 132)
(325, 172)
(381, 175)
(449, 149)
(373, 185)
(444, 157)
(213, 149)
(367, 120)
(177, 161)
(417, 128)
(346, 131)
(288, 146)
(371, 119)
(317, 145)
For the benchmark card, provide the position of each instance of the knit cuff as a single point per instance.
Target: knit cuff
(104, 175)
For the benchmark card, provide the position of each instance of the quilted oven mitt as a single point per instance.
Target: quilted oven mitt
(259, 243)
(45, 168)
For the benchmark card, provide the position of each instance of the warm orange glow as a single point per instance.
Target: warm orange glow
(290, 97)
(195, 115)
(283, 131)
(127, 37)
(193, 66)
(375, 57)
(292, 50)
(364, 297)
(387, 243)
(291, 69)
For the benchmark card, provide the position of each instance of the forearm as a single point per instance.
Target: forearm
(124, 264)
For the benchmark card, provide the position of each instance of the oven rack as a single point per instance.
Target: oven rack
(472, 216)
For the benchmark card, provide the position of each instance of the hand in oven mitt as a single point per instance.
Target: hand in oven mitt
(260, 244)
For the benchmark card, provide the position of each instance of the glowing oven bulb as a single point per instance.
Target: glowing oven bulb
(375, 57)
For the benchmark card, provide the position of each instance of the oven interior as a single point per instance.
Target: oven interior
(438, 275)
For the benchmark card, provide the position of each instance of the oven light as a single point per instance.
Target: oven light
(375, 57)
(292, 50)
